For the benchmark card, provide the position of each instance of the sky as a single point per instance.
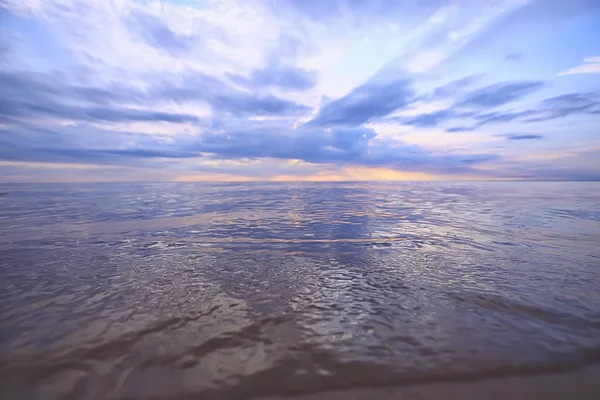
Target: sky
(299, 90)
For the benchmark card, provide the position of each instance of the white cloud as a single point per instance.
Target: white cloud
(591, 65)
(223, 37)
(438, 139)
(419, 108)
(425, 61)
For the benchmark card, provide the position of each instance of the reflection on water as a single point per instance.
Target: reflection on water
(242, 290)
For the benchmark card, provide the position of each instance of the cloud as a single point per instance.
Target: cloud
(425, 61)
(430, 119)
(227, 141)
(513, 57)
(565, 105)
(520, 136)
(364, 103)
(479, 102)
(157, 33)
(291, 78)
(455, 87)
(31, 95)
(548, 109)
(499, 94)
(199, 87)
(475, 104)
(187, 84)
(501, 116)
(461, 129)
(5, 48)
(591, 65)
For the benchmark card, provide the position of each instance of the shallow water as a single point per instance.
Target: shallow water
(244, 290)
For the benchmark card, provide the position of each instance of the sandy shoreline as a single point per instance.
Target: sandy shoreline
(581, 384)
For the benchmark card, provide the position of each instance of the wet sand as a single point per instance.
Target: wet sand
(581, 384)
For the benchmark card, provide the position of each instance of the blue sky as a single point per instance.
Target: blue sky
(124, 90)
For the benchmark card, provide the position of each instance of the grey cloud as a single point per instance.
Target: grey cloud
(5, 48)
(290, 78)
(247, 105)
(461, 129)
(567, 104)
(434, 118)
(224, 98)
(245, 139)
(11, 111)
(27, 95)
(520, 136)
(157, 33)
(494, 117)
(513, 57)
(499, 94)
(334, 146)
(371, 101)
(365, 103)
(455, 87)
(549, 109)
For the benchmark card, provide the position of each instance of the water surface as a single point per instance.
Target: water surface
(160, 291)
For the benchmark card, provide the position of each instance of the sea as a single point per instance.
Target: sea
(251, 290)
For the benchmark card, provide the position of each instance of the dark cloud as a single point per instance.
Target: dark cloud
(461, 129)
(157, 33)
(455, 87)
(290, 78)
(198, 87)
(499, 94)
(473, 104)
(87, 144)
(309, 145)
(520, 136)
(434, 118)
(371, 101)
(430, 119)
(476, 106)
(549, 109)
(495, 117)
(15, 110)
(5, 48)
(31, 95)
(24, 96)
(338, 146)
(567, 104)
(513, 57)
(248, 105)
(330, 146)
(364, 103)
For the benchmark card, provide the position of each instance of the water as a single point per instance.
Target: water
(246, 290)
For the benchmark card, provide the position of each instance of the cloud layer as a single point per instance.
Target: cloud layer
(265, 89)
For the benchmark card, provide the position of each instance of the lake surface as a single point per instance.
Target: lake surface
(234, 291)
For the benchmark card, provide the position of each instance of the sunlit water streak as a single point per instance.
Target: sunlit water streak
(242, 290)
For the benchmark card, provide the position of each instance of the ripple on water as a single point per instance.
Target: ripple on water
(232, 291)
